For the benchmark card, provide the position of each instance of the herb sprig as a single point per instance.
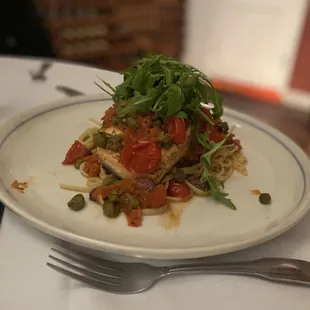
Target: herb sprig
(163, 85)
(213, 182)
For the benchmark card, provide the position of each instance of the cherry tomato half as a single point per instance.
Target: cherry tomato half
(141, 157)
(177, 129)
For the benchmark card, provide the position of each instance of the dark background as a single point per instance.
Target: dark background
(109, 34)
(21, 30)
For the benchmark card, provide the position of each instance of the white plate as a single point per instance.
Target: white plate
(34, 144)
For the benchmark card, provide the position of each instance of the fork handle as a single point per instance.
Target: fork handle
(272, 269)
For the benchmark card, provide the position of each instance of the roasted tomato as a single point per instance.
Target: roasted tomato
(141, 157)
(76, 151)
(177, 129)
(179, 190)
(92, 166)
(214, 134)
(134, 217)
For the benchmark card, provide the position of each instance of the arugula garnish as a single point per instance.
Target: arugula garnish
(215, 192)
(206, 176)
(203, 138)
(163, 85)
(168, 87)
(138, 102)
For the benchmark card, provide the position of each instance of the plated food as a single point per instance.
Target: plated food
(163, 140)
(206, 227)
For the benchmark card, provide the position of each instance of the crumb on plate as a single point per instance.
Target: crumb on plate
(255, 192)
(20, 186)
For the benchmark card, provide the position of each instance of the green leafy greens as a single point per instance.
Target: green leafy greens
(213, 181)
(163, 85)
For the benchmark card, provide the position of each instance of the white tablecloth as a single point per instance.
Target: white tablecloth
(26, 282)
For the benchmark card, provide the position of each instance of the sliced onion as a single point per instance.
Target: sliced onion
(155, 211)
(196, 190)
(100, 200)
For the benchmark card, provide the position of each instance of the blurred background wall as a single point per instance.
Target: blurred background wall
(258, 48)
(246, 42)
(113, 33)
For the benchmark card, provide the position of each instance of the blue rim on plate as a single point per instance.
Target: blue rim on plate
(1, 211)
(291, 148)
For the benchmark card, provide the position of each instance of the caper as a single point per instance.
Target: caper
(134, 202)
(77, 202)
(179, 176)
(132, 122)
(264, 198)
(111, 209)
(113, 196)
(78, 163)
(100, 139)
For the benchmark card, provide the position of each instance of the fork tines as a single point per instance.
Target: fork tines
(96, 272)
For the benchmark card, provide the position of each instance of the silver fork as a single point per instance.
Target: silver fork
(130, 278)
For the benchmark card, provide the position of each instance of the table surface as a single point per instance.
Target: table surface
(18, 93)
(293, 123)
